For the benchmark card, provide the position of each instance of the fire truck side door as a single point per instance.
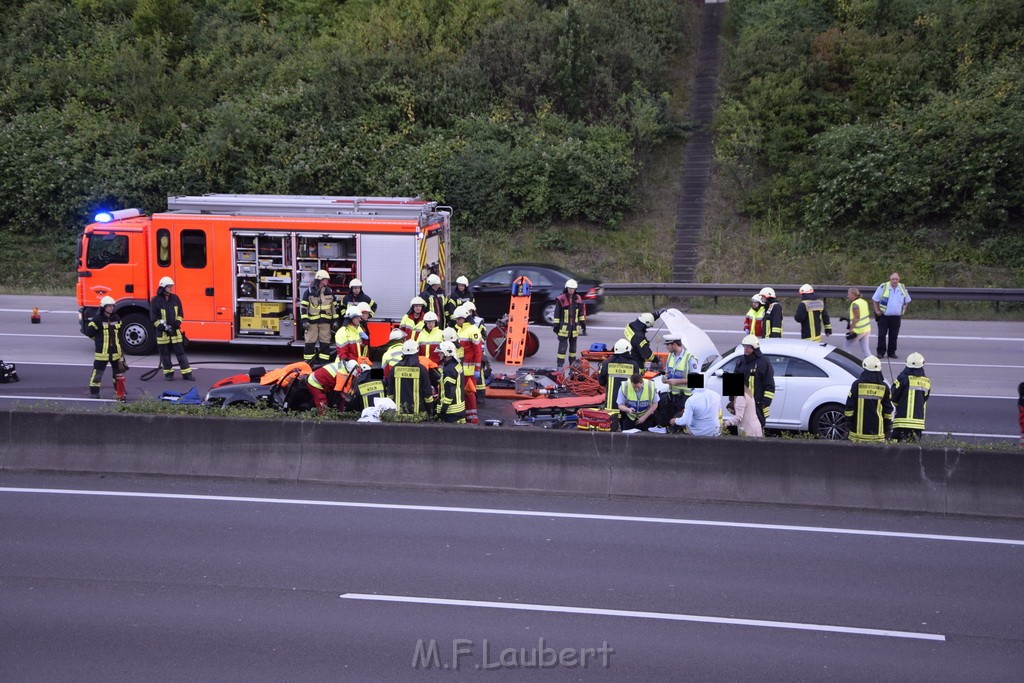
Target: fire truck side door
(193, 273)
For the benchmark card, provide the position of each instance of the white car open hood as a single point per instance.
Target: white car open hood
(695, 340)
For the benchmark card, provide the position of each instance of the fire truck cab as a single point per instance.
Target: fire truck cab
(240, 263)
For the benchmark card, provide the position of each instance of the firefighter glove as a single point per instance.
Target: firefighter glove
(851, 335)
(555, 328)
(583, 329)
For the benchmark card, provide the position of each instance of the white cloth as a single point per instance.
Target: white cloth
(703, 413)
(380, 404)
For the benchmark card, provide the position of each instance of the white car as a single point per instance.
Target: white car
(812, 381)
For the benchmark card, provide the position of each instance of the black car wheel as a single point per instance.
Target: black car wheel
(547, 313)
(829, 422)
(138, 338)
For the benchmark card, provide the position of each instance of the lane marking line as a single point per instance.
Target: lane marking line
(988, 436)
(793, 335)
(41, 311)
(997, 398)
(28, 397)
(663, 616)
(516, 513)
(44, 336)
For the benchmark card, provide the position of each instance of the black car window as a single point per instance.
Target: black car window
(845, 360)
(779, 363)
(798, 367)
(502, 276)
(538, 278)
(105, 249)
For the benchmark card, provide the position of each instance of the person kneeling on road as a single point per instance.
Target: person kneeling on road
(702, 415)
(637, 401)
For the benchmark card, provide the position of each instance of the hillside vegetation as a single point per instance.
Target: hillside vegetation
(857, 137)
(517, 113)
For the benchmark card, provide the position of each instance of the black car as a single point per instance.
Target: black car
(493, 290)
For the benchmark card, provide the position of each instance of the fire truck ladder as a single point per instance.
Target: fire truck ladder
(303, 206)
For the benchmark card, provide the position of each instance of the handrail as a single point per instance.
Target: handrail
(671, 289)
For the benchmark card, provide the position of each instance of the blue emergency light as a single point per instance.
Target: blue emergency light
(104, 217)
(108, 216)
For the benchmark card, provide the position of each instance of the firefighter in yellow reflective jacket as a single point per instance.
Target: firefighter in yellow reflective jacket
(636, 334)
(166, 312)
(637, 401)
(618, 368)
(910, 393)
(105, 330)
(451, 404)
(812, 316)
(753, 322)
(869, 409)
(409, 383)
(318, 310)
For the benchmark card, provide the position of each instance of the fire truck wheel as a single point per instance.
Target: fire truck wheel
(138, 338)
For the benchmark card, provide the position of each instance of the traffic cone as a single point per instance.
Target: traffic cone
(35, 316)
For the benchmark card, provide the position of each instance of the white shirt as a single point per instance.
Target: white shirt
(897, 300)
(703, 413)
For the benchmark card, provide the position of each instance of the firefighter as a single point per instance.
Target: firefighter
(365, 389)
(636, 334)
(570, 321)
(759, 377)
(772, 314)
(479, 379)
(356, 295)
(910, 393)
(618, 368)
(869, 408)
(678, 366)
(105, 331)
(351, 341)
(451, 404)
(435, 300)
(392, 352)
(460, 295)
(323, 383)
(637, 400)
(430, 337)
(409, 384)
(812, 316)
(167, 315)
(471, 344)
(412, 321)
(318, 310)
(753, 323)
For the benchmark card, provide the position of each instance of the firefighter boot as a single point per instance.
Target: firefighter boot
(94, 392)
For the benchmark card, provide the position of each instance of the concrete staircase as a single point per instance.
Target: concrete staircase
(699, 150)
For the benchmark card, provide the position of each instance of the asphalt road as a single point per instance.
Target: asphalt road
(261, 584)
(975, 366)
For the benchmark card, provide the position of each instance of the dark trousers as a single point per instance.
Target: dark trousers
(904, 434)
(563, 343)
(629, 421)
(669, 406)
(888, 326)
(179, 353)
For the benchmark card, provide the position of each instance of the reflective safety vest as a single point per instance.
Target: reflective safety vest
(814, 319)
(351, 342)
(642, 401)
(868, 405)
(318, 305)
(883, 301)
(909, 396)
(429, 340)
(411, 326)
(617, 374)
(753, 323)
(678, 367)
(367, 391)
(864, 322)
(408, 392)
(328, 373)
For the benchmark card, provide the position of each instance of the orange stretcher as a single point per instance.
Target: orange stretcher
(518, 321)
(567, 405)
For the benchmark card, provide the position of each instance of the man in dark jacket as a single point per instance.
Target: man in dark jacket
(619, 367)
(409, 383)
(869, 405)
(167, 314)
(772, 314)
(758, 375)
(910, 393)
(812, 316)
(636, 334)
(437, 301)
(451, 402)
(318, 310)
(105, 329)
(570, 322)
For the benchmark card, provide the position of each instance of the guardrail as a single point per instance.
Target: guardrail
(715, 290)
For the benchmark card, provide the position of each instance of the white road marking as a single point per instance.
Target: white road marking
(663, 616)
(988, 436)
(998, 398)
(44, 336)
(42, 311)
(515, 513)
(796, 335)
(27, 397)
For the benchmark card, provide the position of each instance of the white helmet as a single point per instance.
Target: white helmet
(767, 292)
(433, 279)
(430, 317)
(396, 334)
(756, 299)
(351, 365)
(417, 301)
(806, 289)
(447, 349)
(751, 340)
(915, 360)
(450, 335)
(462, 280)
(353, 312)
(107, 301)
(355, 282)
(322, 275)
(460, 312)
(469, 306)
(410, 348)
(364, 307)
(166, 281)
(646, 319)
(872, 363)
(571, 284)
(622, 346)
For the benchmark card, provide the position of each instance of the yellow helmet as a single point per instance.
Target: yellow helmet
(322, 275)
(915, 360)
(751, 340)
(107, 301)
(622, 346)
(872, 363)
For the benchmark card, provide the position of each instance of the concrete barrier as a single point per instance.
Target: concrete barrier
(777, 471)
